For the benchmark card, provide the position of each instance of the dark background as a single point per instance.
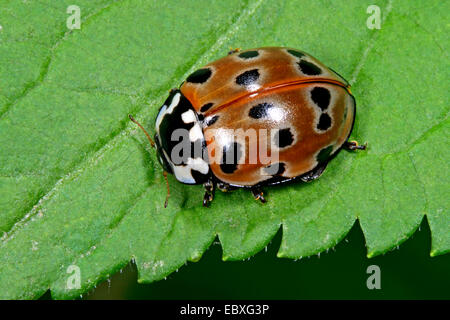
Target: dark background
(406, 273)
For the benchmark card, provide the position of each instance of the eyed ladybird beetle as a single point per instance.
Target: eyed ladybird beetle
(307, 107)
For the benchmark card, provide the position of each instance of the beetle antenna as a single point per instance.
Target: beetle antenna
(168, 190)
(152, 143)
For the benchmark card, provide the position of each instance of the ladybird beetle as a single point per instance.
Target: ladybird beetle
(307, 107)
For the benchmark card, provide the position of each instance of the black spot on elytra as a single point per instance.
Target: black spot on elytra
(309, 68)
(230, 158)
(206, 107)
(275, 169)
(248, 77)
(199, 76)
(210, 121)
(324, 122)
(284, 138)
(324, 154)
(248, 54)
(296, 53)
(260, 110)
(321, 97)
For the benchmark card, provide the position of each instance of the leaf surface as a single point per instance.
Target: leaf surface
(80, 186)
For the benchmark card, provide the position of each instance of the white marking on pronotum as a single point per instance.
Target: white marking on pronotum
(195, 133)
(183, 172)
(167, 110)
(174, 103)
(160, 116)
(372, 41)
(198, 164)
(188, 116)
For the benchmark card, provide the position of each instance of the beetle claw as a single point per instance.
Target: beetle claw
(258, 195)
(354, 145)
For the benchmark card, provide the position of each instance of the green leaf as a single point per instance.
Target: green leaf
(80, 186)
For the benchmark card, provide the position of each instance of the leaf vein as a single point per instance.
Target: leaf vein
(370, 46)
(45, 67)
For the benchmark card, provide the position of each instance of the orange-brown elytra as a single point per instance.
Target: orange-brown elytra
(254, 118)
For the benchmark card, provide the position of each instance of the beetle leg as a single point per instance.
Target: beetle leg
(354, 145)
(224, 187)
(233, 50)
(209, 192)
(258, 195)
